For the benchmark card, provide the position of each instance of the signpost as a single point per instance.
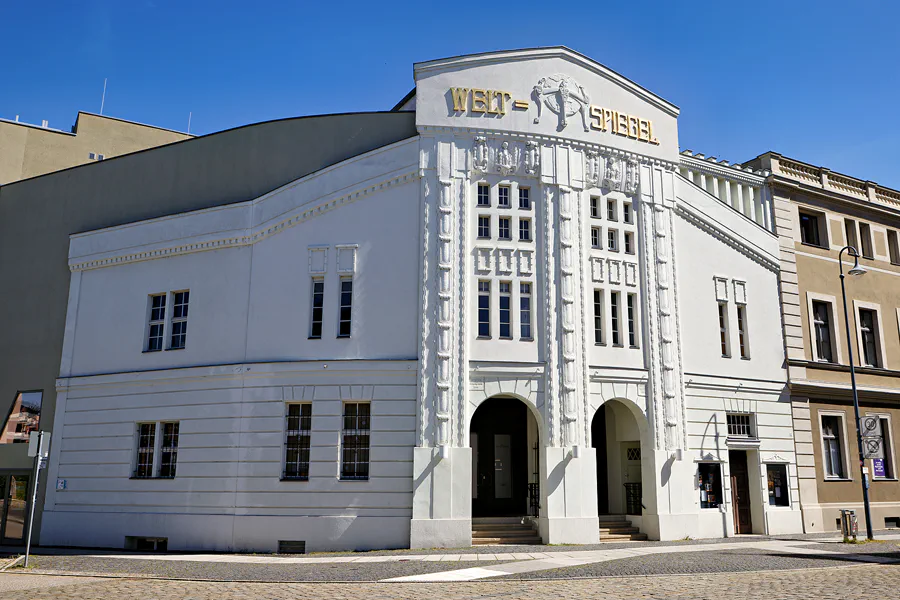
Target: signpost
(39, 448)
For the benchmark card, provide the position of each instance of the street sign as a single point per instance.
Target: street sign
(42, 438)
(873, 445)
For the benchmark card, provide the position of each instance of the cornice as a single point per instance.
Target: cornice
(251, 235)
(782, 181)
(731, 172)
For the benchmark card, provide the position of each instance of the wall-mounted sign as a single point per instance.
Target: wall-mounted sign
(878, 469)
(561, 95)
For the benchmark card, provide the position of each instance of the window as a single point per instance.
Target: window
(809, 228)
(629, 242)
(503, 228)
(346, 308)
(484, 194)
(743, 340)
(612, 240)
(627, 213)
(318, 300)
(723, 328)
(91, 155)
(893, 247)
(525, 310)
(524, 230)
(868, 332)
(595, 207)
(100, 157)
(168, 451)
(145, 448)
(484, 227)
(850, 230)
(355, 441)
(739, 425)
(614, 313)
(484, 309)
(179, 319)
(865, 239)
(598, 317)
(503, 196)
(883, 462)
(631, 300)
(823, 333)
(832, 446)
(24, 418)
(779, 493)
(710, 481)
(296, 442)
(156, 332)
(525, 198)
(611, 210)
(505, 310)
(595, 237)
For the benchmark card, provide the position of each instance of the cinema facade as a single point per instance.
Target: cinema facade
(535, 308)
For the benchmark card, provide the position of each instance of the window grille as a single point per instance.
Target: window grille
(739, 425)
(297, 438)
(146, 445)
(168, 452)
(355, 441)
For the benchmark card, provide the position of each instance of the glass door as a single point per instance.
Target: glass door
(13, 508)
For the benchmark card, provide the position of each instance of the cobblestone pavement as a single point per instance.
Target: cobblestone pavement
(866, 582)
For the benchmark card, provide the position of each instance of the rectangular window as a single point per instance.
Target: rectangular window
(168, 450)
(893, 247)
(179, 319)
(484, 309)
(525, 198)
(296, 443)
(484, 227)
(868, 329)
(865, 240)
(850, 231)
(24, 418)
(598, 317)
(629, 242)
(484, 194)
(743, 339)
(146, 446)
(779, 493)
(631, 299)
(346, 308)
(710, 481)
(503, 196)
(612, 240)
(595, 237)
(627, 213)
(91, 155)
(503, 228)
(614, 313)
(524, 230)
(505, 310)
(355, 441)
(525, 310)
(611, 211)
(156, 332)
(809, 228)
(595, 207)
(822, 325)
(723, 328)
(832, 446)
(739, 425)
(318, 301)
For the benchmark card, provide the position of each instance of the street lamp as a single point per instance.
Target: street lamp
(856, 271)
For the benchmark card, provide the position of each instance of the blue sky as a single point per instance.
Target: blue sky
(818, 81)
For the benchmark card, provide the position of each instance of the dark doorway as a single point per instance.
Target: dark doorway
(14, 500)
(500, 458)
(598, 441)
(740, 491)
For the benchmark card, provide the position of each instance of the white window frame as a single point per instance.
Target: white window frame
(483, 293)
(615, 319)
(629, 242)
(510, 309)
(149, 322)
(743, 348)
(526, 290)
(597, 241)
(527, 190)
(633, 320)
(835, 335)
(612, 210)
(286, 431)
(890, 425)
(508, 188)
(723, 327)
(530, 237)
(599, 315)
(612, 235)
(478, 225)
(879, 350)
(595, 207)
(341, 280)
(845, 447)
(787, 477)
(478, 187)
(628, 213)
(156, 462)
(172, 319)
(500, 234)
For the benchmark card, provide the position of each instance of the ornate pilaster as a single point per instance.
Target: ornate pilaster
(569, 313)
(551, 380)
(444, 368)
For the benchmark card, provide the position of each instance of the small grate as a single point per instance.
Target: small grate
(291, 546)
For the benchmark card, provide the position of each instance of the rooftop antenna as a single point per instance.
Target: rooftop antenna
(103, 98)
(190, 114)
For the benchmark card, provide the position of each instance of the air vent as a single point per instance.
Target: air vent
(146, 544)
(892, 522)
(291, 547)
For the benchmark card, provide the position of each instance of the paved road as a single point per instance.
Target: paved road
(865, 582)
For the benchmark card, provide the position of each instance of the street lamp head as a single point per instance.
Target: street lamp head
(857, 270)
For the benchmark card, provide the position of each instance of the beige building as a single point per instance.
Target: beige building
(30, 150)
(817, 213)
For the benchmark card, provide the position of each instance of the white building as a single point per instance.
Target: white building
(536, 306)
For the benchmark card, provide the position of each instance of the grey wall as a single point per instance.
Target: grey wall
(37, 215)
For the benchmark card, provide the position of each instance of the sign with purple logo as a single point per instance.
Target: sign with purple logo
(878, 467)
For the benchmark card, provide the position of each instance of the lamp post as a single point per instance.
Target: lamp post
(856, 271)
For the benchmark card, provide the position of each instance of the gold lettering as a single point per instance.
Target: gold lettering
(643, 130)
(460, 99)
(653, 140)
(597, 115)
(504, 98)
(632, 127)
(491, 95)
(479, 104)
(608, 118)
(623, 124)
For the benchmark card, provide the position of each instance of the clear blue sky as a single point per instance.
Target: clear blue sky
(819, 81)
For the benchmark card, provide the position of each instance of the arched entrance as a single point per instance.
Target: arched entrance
(616, 436)
(502, 436)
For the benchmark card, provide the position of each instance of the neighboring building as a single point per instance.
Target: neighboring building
(528, 306)
(30, 150)
(818, 212)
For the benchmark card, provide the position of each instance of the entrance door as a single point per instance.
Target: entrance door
(631, 455)
(500, 458)
(740, 491)
(13, 508)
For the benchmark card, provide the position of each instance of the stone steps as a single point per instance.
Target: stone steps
(503, 530)
(616, 528)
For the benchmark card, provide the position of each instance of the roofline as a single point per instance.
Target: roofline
(33, 126)
(409, 95)
(558, 51)
(85, 112)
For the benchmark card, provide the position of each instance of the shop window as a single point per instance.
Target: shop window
(24, 418)
(779, 493)
(710, 480)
